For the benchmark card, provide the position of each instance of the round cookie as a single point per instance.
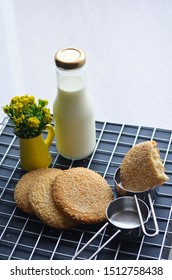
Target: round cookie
(82, 194)
(142, 168)
(43, 205)
(21, 191)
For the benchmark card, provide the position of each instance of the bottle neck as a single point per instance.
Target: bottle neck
(78, 73)
(71, 87)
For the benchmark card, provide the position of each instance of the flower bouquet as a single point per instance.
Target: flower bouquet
(29, 119)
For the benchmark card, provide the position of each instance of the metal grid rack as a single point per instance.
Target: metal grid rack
(23, 236)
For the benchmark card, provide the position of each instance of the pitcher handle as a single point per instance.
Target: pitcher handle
(50, 135)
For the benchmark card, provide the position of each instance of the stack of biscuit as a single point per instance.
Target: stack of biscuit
(64, 198)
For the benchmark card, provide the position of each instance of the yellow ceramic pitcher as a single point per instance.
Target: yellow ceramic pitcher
(34, 152)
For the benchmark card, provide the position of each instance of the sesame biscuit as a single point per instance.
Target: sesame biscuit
(43, 205)
(23, 186)
(142, 168)
(82, 194)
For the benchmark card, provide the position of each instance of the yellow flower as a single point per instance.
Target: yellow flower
(6, 109)
(33, 122)
(31, 99)
(25, 101)
(20, 107)
(18, 121)
(16, 109)
(45, 110)
(15, 99)
(47, 118)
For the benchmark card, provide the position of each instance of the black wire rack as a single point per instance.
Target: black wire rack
(25, 237)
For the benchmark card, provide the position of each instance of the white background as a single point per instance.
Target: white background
(129, 54)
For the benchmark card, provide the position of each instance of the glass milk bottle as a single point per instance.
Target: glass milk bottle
(73, 110)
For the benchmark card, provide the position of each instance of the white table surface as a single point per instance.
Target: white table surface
(129, 54)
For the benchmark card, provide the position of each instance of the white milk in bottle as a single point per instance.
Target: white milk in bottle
(73, 109)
